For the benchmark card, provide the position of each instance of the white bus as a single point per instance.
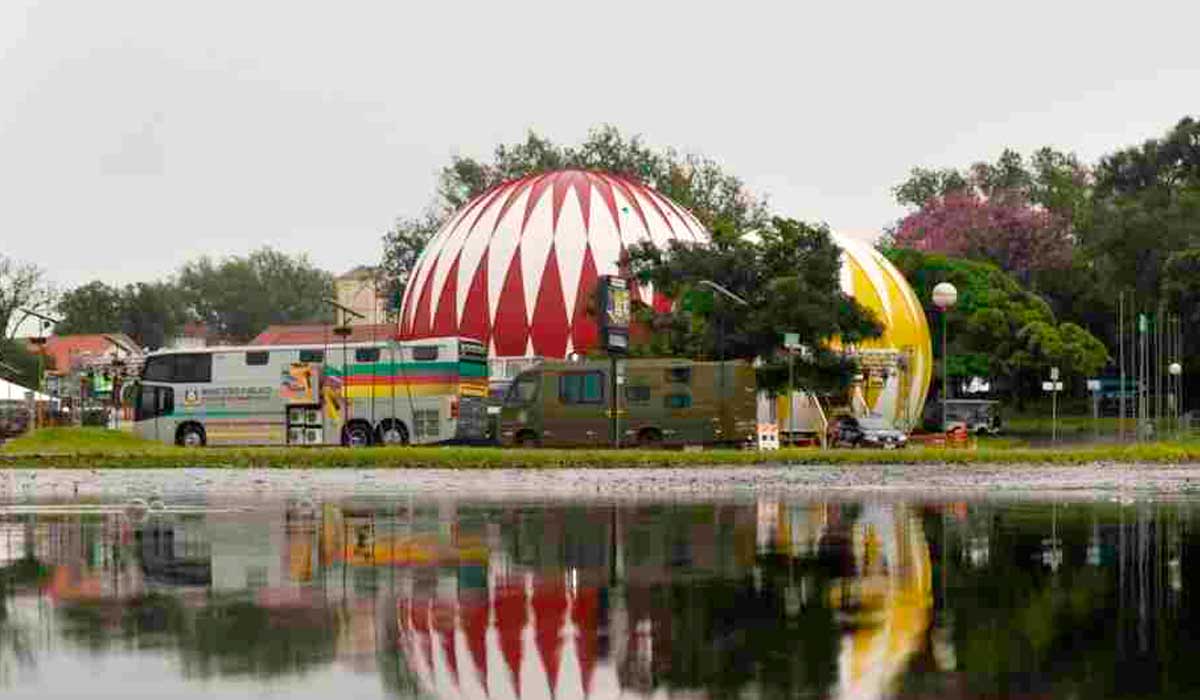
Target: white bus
(418, 392)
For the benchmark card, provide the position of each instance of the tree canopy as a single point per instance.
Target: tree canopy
(786, 272)
(998, 328)
(717, 198)
(236, 297)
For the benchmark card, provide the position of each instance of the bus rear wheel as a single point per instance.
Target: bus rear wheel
(190, 435)
(357, 434)
(392, 432)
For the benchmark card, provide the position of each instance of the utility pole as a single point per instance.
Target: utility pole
(1121, 361)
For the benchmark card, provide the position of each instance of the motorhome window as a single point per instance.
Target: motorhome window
(637, 394)
(677, 401)
(581, 387)
(425, 353)
(193, 368)
(366, 355)
(312, 355)
(257, 358)
(159, 369)
(679, 375)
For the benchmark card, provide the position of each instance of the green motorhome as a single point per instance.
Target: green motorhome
(659, 402)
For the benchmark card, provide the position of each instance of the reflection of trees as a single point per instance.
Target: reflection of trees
(1112, 619)
(223, 637)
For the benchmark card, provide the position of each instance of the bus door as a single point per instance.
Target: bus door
(577, 407)
(153, 403)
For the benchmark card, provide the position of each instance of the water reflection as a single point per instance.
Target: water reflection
(464, 598)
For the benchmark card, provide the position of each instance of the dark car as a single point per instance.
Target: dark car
(849, 431)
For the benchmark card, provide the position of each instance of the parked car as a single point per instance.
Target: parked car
(850, 431)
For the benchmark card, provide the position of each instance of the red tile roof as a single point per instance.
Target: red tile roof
(64, 352)
(318, 333)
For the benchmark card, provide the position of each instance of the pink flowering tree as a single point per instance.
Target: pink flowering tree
(1004, 228)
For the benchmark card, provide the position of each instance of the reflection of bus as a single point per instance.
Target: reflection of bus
(660, 402)
(418, 392)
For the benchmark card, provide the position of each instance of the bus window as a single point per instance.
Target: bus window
(193, 368)
(366, 355)
(425, 353)
(312, 355)
(581, 387)
(257, 358)
(189, 368)
(159, 369)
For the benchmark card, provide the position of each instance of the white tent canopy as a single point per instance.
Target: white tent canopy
(16, 392)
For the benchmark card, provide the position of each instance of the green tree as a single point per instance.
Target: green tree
(402, 246)
(238, 297)
(718, 199)
(788, 276)
(999, 329)
(153, 312)
(17, 364)
(95, 307)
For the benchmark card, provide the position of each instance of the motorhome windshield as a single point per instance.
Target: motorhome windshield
(523, 390)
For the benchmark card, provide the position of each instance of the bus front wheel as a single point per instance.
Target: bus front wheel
(190, 435)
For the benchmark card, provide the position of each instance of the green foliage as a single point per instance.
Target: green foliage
(149, 312)
(700, 184)
(998, 328)
(94, 449)
(788, 276)
(238, 297)
(402, 246)
(94, 307)
(718, 199)
(17, 364)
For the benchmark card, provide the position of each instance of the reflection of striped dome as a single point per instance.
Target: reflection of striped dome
(876, 284)
(510, 641)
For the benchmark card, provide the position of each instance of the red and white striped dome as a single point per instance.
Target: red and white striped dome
(516, 266)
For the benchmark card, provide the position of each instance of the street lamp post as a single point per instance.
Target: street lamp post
(721, 331)
(1176, 371)
(945, 295)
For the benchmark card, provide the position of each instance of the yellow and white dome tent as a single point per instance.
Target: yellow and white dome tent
(898, 365)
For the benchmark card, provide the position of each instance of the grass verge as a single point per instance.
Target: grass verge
(95, 448)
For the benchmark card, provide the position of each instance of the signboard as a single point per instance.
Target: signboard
(791, 341)
(1143, 323)
(614, 313)
(1093, 385)
(1054, 374)
(1052, 386)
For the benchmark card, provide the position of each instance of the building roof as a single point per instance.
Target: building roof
(64, 352)
(317, 333)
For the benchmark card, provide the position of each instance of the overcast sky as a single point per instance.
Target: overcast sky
(136, 135)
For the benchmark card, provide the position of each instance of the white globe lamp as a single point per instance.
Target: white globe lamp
(945, 295)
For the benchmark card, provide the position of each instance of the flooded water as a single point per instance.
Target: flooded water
(222, 584)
